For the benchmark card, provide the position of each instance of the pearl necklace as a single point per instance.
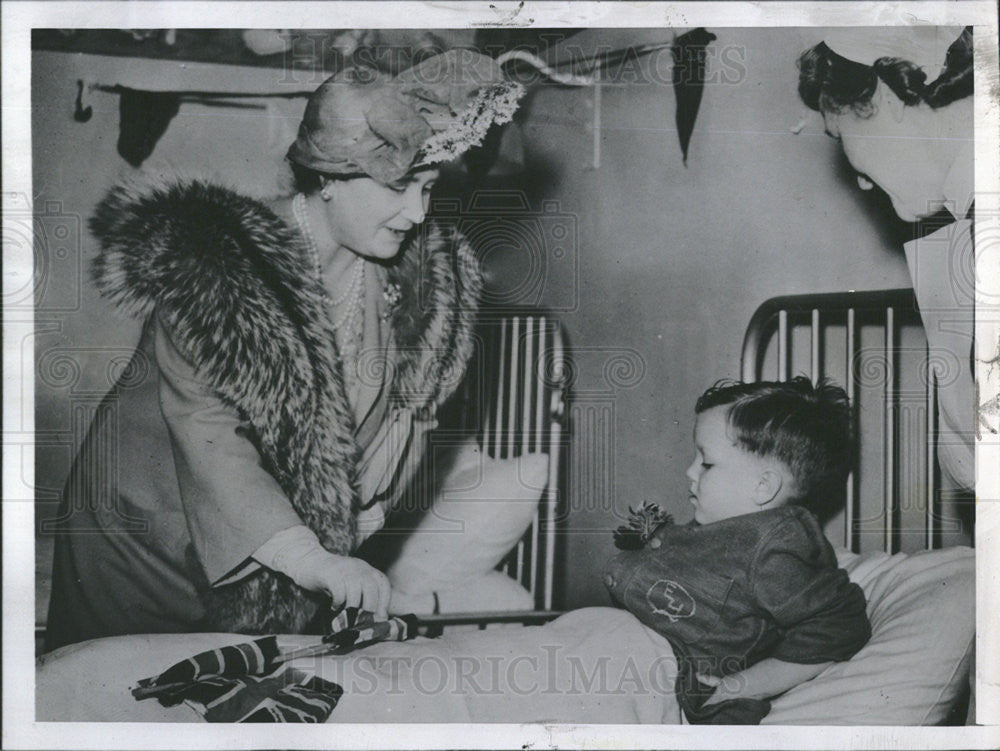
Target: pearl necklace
(351, 314)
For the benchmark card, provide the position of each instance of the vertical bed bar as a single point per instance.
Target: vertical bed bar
(515, 389)
(930, 384)
(530, 383)
(487, 410)
(889, 454)
(814, 371)
(782, 345)
(531, 387)
(849, 510)
(555, 437)
(497, 433)
(540, 380)
(515, 332)
(539, 373)
(500, 411)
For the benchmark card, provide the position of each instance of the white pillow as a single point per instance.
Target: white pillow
(482, 509)
(922, 612)
(493, 590)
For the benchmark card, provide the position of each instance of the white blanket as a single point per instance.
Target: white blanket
(596, 665)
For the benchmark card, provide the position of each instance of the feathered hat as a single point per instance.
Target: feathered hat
(364, 122)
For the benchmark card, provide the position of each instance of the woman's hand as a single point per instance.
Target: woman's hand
(348, 581)
(297, 553)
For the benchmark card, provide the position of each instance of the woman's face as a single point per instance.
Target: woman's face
(896, 154)
(372, 219)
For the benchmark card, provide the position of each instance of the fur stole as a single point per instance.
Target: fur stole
(233, 284)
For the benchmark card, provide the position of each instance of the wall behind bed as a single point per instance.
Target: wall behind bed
(673, 261)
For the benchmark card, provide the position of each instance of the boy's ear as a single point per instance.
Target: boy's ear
(769, 485)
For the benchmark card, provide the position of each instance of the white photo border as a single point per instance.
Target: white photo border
(18, 18)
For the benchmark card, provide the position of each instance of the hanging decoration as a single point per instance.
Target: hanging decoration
(145, 115)
(80, 113)
(590, 75)
(143, 118)
(689, 52)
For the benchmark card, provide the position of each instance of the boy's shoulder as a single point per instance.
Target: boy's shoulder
(771, 526)
(749, 537)
(792, 533)
(790, 519)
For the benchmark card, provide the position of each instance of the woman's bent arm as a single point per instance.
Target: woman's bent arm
(232, 505)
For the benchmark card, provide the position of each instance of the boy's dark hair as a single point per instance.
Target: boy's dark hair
(807, 427)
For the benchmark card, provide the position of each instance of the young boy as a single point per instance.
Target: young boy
(750, 590)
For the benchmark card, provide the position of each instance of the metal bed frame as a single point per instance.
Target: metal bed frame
(514, 401)
(772, 350)
(780, 321)
(526, 416)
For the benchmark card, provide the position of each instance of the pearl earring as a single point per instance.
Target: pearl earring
(325, 192)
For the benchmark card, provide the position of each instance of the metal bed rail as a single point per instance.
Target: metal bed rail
(523, 414)
(515, 401)
(773, 328)
(524, 617)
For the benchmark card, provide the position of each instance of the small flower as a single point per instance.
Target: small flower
(642, 523)
(392, 293)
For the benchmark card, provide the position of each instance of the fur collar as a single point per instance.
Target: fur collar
(231, 282)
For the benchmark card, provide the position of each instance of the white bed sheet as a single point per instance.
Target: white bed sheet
(595, 665)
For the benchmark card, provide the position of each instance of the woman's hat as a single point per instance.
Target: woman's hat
(362, 121)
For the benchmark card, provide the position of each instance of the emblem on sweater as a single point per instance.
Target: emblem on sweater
(666, 597)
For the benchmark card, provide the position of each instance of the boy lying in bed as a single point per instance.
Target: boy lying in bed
(749, 593)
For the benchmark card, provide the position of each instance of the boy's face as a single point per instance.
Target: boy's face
(725, 479)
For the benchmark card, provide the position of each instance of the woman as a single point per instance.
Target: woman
(899, 100)
(295, 353)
